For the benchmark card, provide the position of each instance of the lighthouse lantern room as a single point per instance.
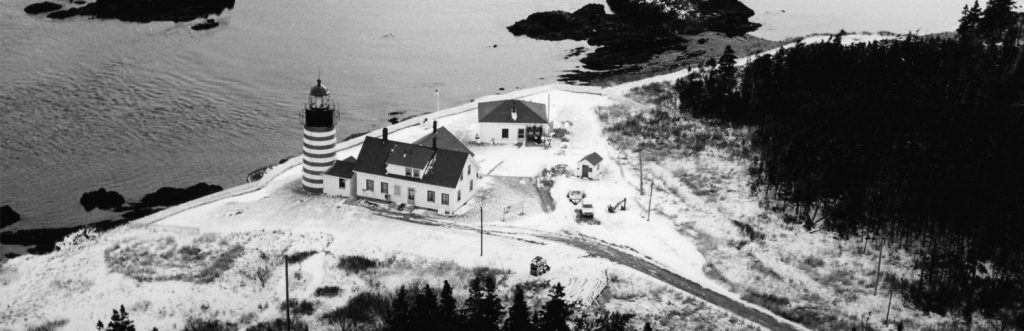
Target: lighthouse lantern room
(318, 138)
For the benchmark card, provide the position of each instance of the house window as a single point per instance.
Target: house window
(468, 169)
(470, 184)
(444, 199)
(458, 195)
(384, 187)
(369, 185)
(341, 182)
(522, 133)
(504, 133)
(430, 196)
(416, 173)
(408, 172)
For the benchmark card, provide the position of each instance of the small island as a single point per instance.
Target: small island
(137, 11)
(636, 34)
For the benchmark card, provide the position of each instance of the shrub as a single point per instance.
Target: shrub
(190, 253)
(366, 307)
(258, 270)
(771, 302)
(278, 325)
(303, 307)
(356, 263)
(220, 265)
(327, 291)
(496, 275)
(49, 325)
(814, 262)
(299, 257)
(198, 324)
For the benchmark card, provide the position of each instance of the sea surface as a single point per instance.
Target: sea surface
(132, 107)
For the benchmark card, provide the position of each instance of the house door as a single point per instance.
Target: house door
(586, 171)
(412, 196)
(535, 134)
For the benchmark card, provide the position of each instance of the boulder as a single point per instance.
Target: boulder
(101, 199)
(41, 7)
(8, 216)
(170, 196)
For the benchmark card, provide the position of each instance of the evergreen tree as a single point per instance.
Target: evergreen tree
(483, 310)
(613, 322)
(556, 311)
(399, 318)
(449, 317)
(119, 321)
(997, 18)
(647, 326)
(424, 311)
(727, 62)
(519, 313)
(970, 22)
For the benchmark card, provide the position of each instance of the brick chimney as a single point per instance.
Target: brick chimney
(385, 135)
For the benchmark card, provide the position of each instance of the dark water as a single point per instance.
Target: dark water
(131, 107)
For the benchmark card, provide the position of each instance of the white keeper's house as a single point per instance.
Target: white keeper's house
(512, 121)
(436, 172)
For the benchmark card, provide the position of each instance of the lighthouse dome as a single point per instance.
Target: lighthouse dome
(319, 90)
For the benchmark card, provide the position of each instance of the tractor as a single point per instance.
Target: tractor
(621, 205)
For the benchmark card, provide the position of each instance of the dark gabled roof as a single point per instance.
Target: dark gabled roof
(593, 158)
(445, 140)
(501, 112)
(447, 169)
(342, 168)
(413, 156)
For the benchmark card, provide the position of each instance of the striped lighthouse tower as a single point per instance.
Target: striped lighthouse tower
(317, 138)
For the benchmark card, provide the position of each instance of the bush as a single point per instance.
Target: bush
(161, 259)
(278, 325)
(327, 291)
(303, 307)
(366, 307)
(299, 257)
(198, 324)
(771, 302)
(49, 325)
(356, 263)
(814, 262)
(220, 265)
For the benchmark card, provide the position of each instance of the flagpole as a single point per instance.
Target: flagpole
(437, 99)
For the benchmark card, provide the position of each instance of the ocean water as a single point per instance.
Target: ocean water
(783, 19)
(132, 107)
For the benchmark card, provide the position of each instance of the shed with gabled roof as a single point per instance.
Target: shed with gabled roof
(589, 166)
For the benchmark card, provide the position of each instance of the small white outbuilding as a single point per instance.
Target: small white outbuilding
(589, 165)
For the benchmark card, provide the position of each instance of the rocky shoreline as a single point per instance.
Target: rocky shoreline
(44, 240)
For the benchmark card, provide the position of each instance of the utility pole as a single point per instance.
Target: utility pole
(481, 229)
(649, 201)
(640, 158)
(888, 307)
(287, 301)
